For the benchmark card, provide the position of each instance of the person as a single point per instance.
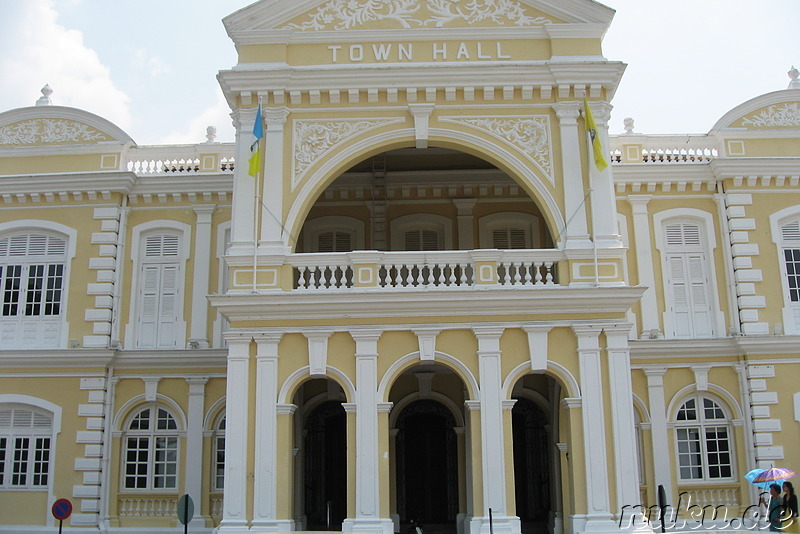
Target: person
(789, 505)
(774, 508)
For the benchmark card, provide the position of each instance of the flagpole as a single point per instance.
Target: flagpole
(595, 154)
(257, 203)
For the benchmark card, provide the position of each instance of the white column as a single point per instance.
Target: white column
(658, 427)
(194, 444)
(576, 233)
(598, 515)
(274, 239)
(492, 436)
(644, 264)
(198, 334)
(626, 466)
(367, 475)
(234, 510)
(604, 200)
(466, 223)
(265, 497)
(243, 185)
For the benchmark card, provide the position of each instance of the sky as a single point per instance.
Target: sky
(150, 66)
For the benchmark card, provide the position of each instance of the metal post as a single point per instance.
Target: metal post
(491, 524)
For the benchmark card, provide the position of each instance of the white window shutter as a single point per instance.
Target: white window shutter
(149, 306)
(681, 318)
(169, 306)
(701, 310)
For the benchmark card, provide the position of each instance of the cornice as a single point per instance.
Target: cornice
(380, 304)
(55, 358)
(700, 349)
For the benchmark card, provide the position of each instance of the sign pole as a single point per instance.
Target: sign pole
(60, 525)
(186, 514)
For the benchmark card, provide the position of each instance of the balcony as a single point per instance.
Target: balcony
(424, 270)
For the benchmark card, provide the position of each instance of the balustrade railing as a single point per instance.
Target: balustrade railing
(663, 148)
(408, 270)
(721, 496)
(147, 506)
(163, 160)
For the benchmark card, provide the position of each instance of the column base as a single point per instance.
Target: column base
(599, 523)
(232, 527)
(276, 525)
(368, 526)
(500, 525)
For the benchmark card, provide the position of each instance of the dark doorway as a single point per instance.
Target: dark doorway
(325, 467)
(427, 466)
(531, 466)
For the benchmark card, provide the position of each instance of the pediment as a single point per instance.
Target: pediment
(355, 15)
(57, 126)
(779, 110)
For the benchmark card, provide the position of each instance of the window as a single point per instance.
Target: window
(686, 275)
(421, 240)
(160, 298)
(32, 282)
(421, 232)
(218, 469)
(790, 257)
(704, 440)
(332, 233)
(151, 450)
(25, 448)
(509, 230)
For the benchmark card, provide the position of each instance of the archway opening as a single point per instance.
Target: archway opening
(412, 199)
(429, 453)
(537, 470)
(322, 468)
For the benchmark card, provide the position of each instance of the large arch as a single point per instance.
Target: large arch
(487, 149)
(410, 360)
(301, 375)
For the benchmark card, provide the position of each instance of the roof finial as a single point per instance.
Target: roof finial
(44, 100)
(794, 74)
(628, 122)
(211, 134)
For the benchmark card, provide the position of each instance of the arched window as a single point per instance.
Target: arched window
(150, 457)
(421, 232)
(32, 282)
(685, 242)
(25, 447)
(218, 469)
(704, 441)
(509, 230)
(333, 233)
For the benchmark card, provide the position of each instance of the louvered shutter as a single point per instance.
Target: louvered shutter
(334, 241)
(688, 283)
(509, 238)
(159, 306)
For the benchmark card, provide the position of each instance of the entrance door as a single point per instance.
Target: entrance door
(326, 467)
(427, 465)
(531, 466)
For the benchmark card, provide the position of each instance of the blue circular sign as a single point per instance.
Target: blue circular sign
(62, 509)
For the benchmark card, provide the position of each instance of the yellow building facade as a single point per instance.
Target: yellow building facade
(408, 294)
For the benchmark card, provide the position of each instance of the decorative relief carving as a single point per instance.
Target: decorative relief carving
(786, 116)
(531, 135)
(350, 14)
(313, 138)
(50, 131)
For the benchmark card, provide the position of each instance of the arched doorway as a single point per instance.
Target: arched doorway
(537, 465)
(321, 476)
(531, 465)
(427, 465)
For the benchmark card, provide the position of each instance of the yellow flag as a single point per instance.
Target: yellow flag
(597, 147)
(254, 163)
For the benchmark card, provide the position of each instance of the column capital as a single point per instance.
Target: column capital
(464, 205)
(275, 118)
(197, 384)
(617, 335)
(473, 405)
(365, 334)
(639, 203)
(508, 404)
(568, 112)
(285, 409)
(571, 403)
(350, 407)
(385, 407)
(272, 337)
(204, 212)
(588, 336)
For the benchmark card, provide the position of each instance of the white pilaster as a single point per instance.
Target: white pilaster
(658, 425)
(273, 239)
(626, 468)
(604, 200)
(576, 233)
(492, 437)
(244, 188)
(598, 515)
(198, 333)
(194, 443)
(644, 264)
(265, 488)
(466, 222)
(234, 510)
(367, 517)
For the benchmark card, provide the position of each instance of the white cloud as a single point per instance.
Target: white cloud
(153, 64)
(218, 115)
(47, 52)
